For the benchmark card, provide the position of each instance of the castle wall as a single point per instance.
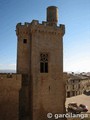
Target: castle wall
(10, 85)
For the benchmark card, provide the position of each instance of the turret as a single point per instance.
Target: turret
(52, 15)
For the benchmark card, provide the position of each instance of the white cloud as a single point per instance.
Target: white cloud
(80, 65)
(11, 66)
(1, 64)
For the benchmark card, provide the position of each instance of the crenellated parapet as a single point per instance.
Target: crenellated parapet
(22, 28)
(11, 76)
(35, 26)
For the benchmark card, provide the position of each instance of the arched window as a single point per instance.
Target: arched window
(44, 63)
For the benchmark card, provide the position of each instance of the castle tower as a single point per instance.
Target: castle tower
(40, 61)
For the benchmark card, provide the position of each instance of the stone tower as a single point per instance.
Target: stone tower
(40, 61)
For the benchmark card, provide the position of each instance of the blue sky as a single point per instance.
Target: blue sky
(75, 14)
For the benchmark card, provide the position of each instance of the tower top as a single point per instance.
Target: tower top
(52, 15)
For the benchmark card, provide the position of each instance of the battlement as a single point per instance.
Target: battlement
(11, 76)
(36, 22)
(23, 24)
(35, 26)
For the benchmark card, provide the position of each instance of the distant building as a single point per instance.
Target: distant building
(40, 61)
(76, 84)
(73, 87)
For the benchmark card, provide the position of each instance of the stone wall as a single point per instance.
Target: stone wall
(10, 85)
(48, 88)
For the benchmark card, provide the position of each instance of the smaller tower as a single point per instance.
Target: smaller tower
(52, 15)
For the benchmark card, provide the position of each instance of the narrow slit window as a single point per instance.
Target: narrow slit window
(24, 41)
(44, 63)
